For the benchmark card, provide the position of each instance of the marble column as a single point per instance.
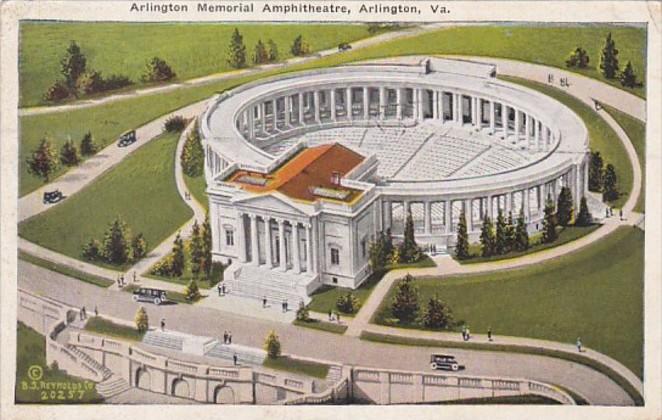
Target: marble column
(527, 128)
(504, 119)
(428, 217)
(300, 108)
(288, 104)
(274, 112)
(296, 262)
(398, 100)
(517, 124)
(255, 250)
(333, 105)
(241, 237)
(281, 245)
(468, 214)
(447, 216)
(251, 124)
(457, 108)
(525, 205)
(267, 242)
(382, 103)
(316, 106)
(366, 104)
(310, 266)
(348, 103)
(492, 115)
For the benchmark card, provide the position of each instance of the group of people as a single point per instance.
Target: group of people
(466, 333)
(82, 314)
(120, 280)
(227, 337)
(334, 315)
(221, 289)
(609, 211)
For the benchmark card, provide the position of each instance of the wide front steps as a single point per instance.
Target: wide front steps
(277, 286)
(112, 386)
(245, 355)
(104, 371)
(334, 374)
(163, 339)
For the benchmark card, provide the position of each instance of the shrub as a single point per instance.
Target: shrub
(272, 345)
(138, 246)
(141, 320)
(90, 82)
(347, 303)
(302, 313)
(116, 247)
(584, 217)
(578, 58)
(116, 81)
(69, 154)
(175, 124)
(163, 267)
(92, 250)
(437, 314)
(192, 292)
(300, 47)
(157, 70)
(57, 92)
(193, 155)
(405, 303)
(43, 161)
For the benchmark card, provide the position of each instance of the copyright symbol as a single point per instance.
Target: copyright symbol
(35, 372)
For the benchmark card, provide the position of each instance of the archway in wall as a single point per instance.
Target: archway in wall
(180, 388)
(143, 379)
(224, 394)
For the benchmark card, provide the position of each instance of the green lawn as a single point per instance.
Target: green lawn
(67, 271)
(303, 367)
(99, 325)
(192, 50)
(595, 293)
(141, 189)
(565, 235)
(601, 136)
(107, 122)
(636, 131)
(197, 186)
(316, 324)
(31, 351)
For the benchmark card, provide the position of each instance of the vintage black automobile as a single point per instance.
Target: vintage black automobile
(444, 362)
(344, 46)
(127, 138)
(53, 196)
(146, 294)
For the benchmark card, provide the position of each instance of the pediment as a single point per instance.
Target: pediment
(272, 203)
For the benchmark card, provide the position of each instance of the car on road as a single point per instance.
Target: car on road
(146, 294)
(52, 196)
(444, 362)
(127, 138)
(344, 46)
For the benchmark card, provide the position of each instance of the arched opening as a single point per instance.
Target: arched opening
(224, 394)
(143, 379)
(180, 388)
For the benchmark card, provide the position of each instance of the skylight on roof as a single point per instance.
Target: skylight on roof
(252, 180)
(331, 193)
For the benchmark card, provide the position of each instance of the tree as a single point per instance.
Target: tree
(595, 172)
(628, 77)
(549, 222)
(197, 249)
(175, 124)
(303, 314)
(192, 292)
(578, 58)
(409, 250)
(261, 54)
(87, 145)
(609, 58)
(300, 47)
(90, 82)
(43, 161)
(521, 234)
(388, 244)
(437, 314)
(347, 303)
(116, 248)
(610, 187)
(57, 92)
(138, 246)
(510, 232)
(501, 240)
(487, 239)
(92, 250)
(462, 244)
(272, 345)
(564, 207)
(141, 320)
(157, 70)
(178, 259)
(206, 263)
(237, 51)
(69, 154)
(193, 155)
(72, 66)
(584, 218)
(377, 258)
(405, 303)
(273, 51)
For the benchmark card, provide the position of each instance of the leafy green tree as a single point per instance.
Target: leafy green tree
(437, 314)
(578, 58)
(378, 258)
(584, 218)
(69, 154)
(138, 247)
(272, 345)
(462, 244)
(549, 222)
(92, 250)
(610, 187)
(628, 77)
(193, 154)
(237, 51)
(595, 172)
(192, 291)
(303, 314)
(57, 92)
(389, 249)
(87, 145)
(501, 240)
(116, 247)
(347, 303)
(197, 248)
(141, 320)
(510, 232)
(521, 234)
(273, 51)
(157, 70)
(405, 303)
(72, 66)
(261, 55)
(564, 207)
(43, 161)
(487, 238)
(409, 250)
(178, 258)
(175, 124)
(300, 47)
(609, 58)
(90, 82)
(206, 264)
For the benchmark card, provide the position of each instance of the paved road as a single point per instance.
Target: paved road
(597, 388)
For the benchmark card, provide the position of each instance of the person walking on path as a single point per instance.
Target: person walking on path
(162, 324)
(620, 214)
(264, 302)
(219, 289)
(464, 332)
(119, 281)
(134, 276)
(229, 337)
(225, 337)
(579, 344)
(330, 315)
(234, 359)
(468, 334)
(96, 311)
(489, 334)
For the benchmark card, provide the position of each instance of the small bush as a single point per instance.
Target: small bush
(192, 291)
(87, 145)
(157, 70)
(58, 92)
(92, 250)
(69, 154)
(303, 313)
(90, 82)
(175, 124)
(116, 81)
(272, 345)
(347, 303)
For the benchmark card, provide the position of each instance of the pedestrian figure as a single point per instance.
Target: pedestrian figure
(607, 212)
(264, 302)
(122, 280)
(162, 324)
(225, 337)
(579, 344)
(223, 289)
(468, 334)
(119, 282)
(80, 313)
(489, 334)
(134, 276)
(620, 214)
(330, 315)
(234, 359)
(464, 332)
(230, 337)
(96, 312)
(219, 289)
(283, 306)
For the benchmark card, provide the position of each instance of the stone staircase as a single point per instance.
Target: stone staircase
(104, 371)
(245, 355)
(277, 286)
(164, 339)
(113, 386)
(334, 374)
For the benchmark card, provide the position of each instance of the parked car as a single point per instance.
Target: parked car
(145, 294)
(52, 196)
(444, 362)
(127, 138)
(344, 46)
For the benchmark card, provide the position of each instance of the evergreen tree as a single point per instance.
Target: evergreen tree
(69, 154)
(487, 239)
(116, 247)
(409, 250)
(347, 303)
(92, 250)
(87, 145)
(197, 248)
(193, 154)
(564, 207)
(578, 58)
(610, 187)
(628, 77)
(437, 314)
(405, 303)
(501, 240)
(303, 314)
(178, 259)
(206, 262)
(300, 47)
(595, 172)
(609, 58)
(72, 66)
(462, 245)
(378, 258)
(141, 320)
(43, 161)
(273, 51)
(261, 54)
(549, 222)
(272, 345)
(157, 70)
(138, 247)
(192, 291)
(237, 51)
(388, 244)
(584, 217)
(521, 234)
(510, 232)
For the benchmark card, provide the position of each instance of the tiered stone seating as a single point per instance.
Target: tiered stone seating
(496, 159)
(164, 339)
(245, 355)
(277, 286)
(113, 386)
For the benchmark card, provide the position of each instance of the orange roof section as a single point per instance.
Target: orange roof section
(312, 167)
